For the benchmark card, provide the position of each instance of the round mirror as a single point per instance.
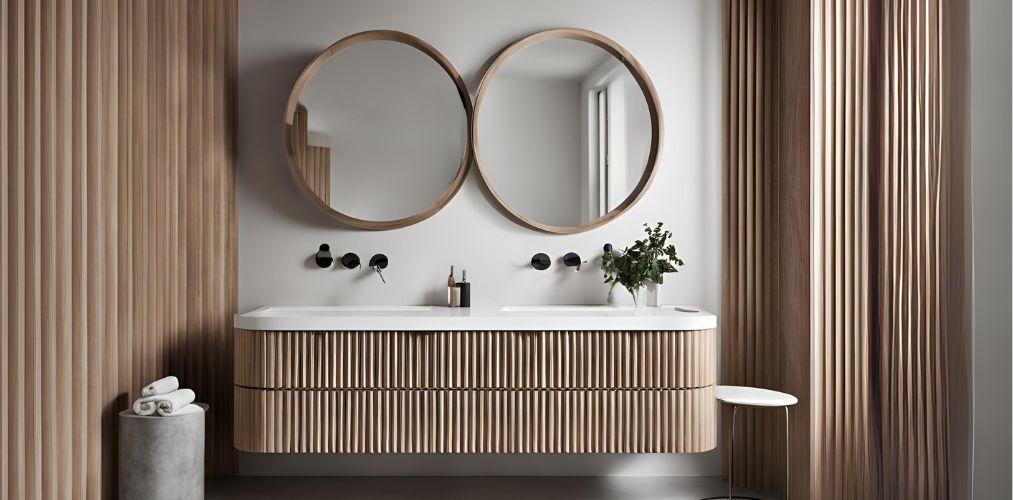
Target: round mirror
(567, 130)
(377, 129)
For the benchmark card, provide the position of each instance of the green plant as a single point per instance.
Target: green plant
(645, 262)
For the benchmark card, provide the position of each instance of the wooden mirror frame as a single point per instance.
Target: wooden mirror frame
(307, 75)
(653, 106)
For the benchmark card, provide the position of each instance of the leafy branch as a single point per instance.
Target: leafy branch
(647, 261)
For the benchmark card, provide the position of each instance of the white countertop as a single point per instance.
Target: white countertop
(510, 318)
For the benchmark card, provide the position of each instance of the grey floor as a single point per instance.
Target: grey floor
(484, 488)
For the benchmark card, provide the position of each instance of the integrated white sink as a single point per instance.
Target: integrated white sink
(331, 310)
(563, 309)
(480, 318)
(337, 311)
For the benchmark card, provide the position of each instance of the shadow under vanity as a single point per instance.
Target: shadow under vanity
(565, 133)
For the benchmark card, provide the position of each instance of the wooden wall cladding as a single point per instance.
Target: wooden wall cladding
(117, 228)
(766, 233)
(877, 344)
(475, 392)
(883, 197)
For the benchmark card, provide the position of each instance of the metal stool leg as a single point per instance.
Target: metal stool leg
(787, 456)
(731, 456)
(731, 453)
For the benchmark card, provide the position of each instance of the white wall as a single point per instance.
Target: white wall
(679, 45)
(990, 136)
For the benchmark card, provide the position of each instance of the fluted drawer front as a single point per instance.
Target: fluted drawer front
(475, 421)
(473, 360)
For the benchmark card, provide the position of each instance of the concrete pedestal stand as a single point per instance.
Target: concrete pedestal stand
(161, 457)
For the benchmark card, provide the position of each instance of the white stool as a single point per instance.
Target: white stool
(757, 398)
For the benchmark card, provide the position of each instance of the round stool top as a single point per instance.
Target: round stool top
(752, 396)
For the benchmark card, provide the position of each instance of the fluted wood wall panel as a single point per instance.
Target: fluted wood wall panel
(845, 461)
(461, 359)
(766, 234)
(117, 228)
(476, 421)
(881, 205)
(884, 344)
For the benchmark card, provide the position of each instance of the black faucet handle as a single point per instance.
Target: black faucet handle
(350, 261)
(540, 261)
(323, 256)
(571, 259)
(378, 260)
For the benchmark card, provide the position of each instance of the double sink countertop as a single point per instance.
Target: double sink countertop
(481, 318)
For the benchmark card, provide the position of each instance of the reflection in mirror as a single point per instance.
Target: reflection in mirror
(379, 132)
(564, 132)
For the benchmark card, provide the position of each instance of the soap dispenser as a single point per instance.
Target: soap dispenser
(453, 293)
(465, 290)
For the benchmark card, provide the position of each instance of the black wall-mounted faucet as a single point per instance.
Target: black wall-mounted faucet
(323, 256)
(571, 259)
(350, 261)
(540, 261)
(379, 262)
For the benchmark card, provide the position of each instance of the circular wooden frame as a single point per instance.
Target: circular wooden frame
(653, 106)
(307, 75)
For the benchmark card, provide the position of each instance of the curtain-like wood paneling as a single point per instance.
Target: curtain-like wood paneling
(117, 228)
(845, 463)
(876, 364)
(883, 199)
(766, 231)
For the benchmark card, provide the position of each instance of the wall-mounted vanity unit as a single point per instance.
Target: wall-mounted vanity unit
(526, 379)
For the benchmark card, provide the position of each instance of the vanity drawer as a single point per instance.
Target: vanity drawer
(475, 421)
(476, 360)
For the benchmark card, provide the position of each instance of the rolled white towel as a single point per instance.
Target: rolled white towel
(186, 410)
(146, 406)
(169, 403)
(161, 386)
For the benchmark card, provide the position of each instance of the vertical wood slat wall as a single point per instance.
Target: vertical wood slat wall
(117, 228)
(884, 344)
(766, 232)
(844, 463)
(885, 191)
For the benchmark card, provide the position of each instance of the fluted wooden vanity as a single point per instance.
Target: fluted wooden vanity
(478, 380)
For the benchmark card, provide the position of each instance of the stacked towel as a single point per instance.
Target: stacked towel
(146, 405)
(164, 397)
(161, 386)
(175, 400)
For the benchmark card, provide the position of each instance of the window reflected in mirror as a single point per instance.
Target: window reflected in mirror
(563, 133)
